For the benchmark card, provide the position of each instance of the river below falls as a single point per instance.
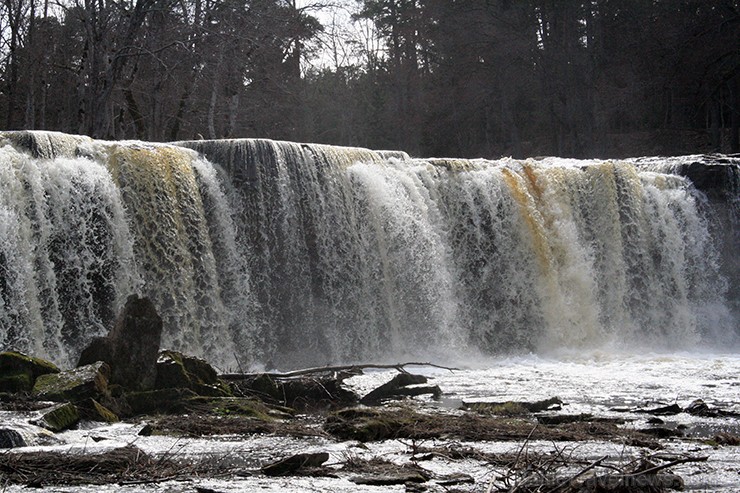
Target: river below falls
(601, 384)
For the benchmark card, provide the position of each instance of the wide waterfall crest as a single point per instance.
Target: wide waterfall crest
(286, 254)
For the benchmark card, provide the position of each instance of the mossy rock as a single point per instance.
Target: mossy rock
(265, 387)
(171, 374)
(161, 401)
(15, 382)
(176, 370)
(92, 410)
(233, 406)
(509, 408)
(196, 369)
(200, 370)
(514, 408)
(12, 362)
(367, 425)
(58, 418)
(75, 385)
(219, 390)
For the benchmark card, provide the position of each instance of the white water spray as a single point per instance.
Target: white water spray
(297, 254)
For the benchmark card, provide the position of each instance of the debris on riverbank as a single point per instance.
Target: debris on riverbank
(256, 405)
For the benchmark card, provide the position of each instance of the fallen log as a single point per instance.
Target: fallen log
(514, 407)
(398, 387)
(327, 369)
(294, 463)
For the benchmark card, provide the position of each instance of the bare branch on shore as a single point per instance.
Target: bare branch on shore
(326, 369)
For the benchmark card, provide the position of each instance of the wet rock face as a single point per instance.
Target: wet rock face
(75, 385)
(18, 371)
(58, 418)
(717, 177)
(177, 370)
(10, 439)
(132, 346)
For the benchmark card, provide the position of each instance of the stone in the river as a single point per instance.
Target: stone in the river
(81, 383)
(395, 388)
(177, 370)
(131, 347)
(11, 439)
(92, 410)
(58, 418)
(699, 408)
(18, 371)
(161, 401)
(294, 463)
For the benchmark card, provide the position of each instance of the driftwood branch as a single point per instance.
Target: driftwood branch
(325, 369)
(621, 478)
(579, 474)
(676, 462)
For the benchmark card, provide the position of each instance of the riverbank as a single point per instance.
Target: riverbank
(423, 443)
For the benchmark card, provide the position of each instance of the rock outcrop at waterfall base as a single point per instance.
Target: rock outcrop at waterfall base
(131, 347)
(19, 372)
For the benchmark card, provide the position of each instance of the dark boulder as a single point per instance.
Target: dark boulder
(99, 349)
(310, 392)
(132, 346)
(161, 401)
(699, 408)
(58, 418)
(294, 463)
(177, 370)
(11, 438)
(16, 382)
(716, 177)
(398, 387)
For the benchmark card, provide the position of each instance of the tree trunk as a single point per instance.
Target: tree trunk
(213, 103)
(14, 21)
(133, 110)
(233, 114)
(212, 112)
(734, 114)
(105, 65)
(175, 128)
(714, 124)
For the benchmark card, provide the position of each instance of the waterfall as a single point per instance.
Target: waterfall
(88, 224)
(287, 255)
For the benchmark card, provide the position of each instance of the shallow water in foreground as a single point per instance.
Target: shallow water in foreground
(596, 384)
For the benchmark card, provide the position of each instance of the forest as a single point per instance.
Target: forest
(464, 78)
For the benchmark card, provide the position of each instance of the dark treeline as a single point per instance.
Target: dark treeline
(447, 77)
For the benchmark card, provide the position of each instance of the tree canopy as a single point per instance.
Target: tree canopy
(603, 78)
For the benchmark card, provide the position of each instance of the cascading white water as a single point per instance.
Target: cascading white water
(375, 255)
(66, 258)
(294, 254)
(84, 230)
